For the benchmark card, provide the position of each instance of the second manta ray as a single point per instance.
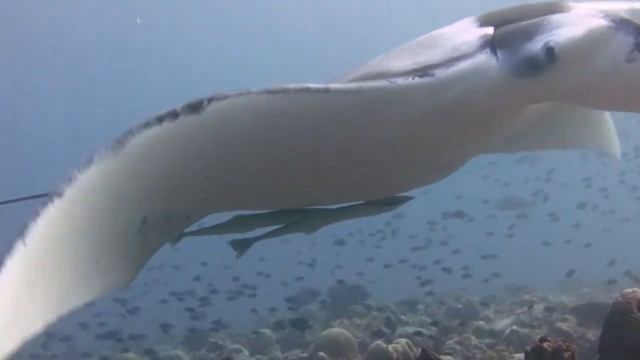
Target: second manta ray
(306, 221)
(526, 78)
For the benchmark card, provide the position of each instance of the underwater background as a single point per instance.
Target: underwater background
(553, 227)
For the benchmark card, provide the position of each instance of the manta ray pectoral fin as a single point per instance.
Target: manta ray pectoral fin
(557, 126)
(101, 228)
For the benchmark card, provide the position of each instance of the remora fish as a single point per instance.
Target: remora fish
(309, 221)
(531, 77)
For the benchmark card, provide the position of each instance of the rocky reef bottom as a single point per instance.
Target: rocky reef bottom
(522, 325)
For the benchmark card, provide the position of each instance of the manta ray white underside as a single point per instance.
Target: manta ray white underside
(527, 78)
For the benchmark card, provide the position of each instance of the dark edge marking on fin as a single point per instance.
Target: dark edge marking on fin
(630, 28)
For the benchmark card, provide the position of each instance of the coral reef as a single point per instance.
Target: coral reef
(263, 342)
(547, 349)
(400, 349)
(426, 354)
(342, 296)
(620, 338)
(336, 344)
(453, 327)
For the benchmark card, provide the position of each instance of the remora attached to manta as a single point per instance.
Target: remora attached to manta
(527, 78)
(292, 221)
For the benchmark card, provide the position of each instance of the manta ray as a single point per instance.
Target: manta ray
(534, 77)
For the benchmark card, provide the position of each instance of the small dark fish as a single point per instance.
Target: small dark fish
(134, 310)
(447, 270)
(635, 278)
(301, 324)
(150, 353)
(570, 273)
(489, 257)
(137, 337)
(166, 327)
(279, 325)
(340, 242)
(425, 283)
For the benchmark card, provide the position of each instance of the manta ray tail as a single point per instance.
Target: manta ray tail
(24, 198)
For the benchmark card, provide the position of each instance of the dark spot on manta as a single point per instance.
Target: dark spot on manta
(197, 106)
(421, 74)
(193, 107)
(630, 28)
(295, 89)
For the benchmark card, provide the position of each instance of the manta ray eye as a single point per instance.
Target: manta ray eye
(534, 63)
(517, 47)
